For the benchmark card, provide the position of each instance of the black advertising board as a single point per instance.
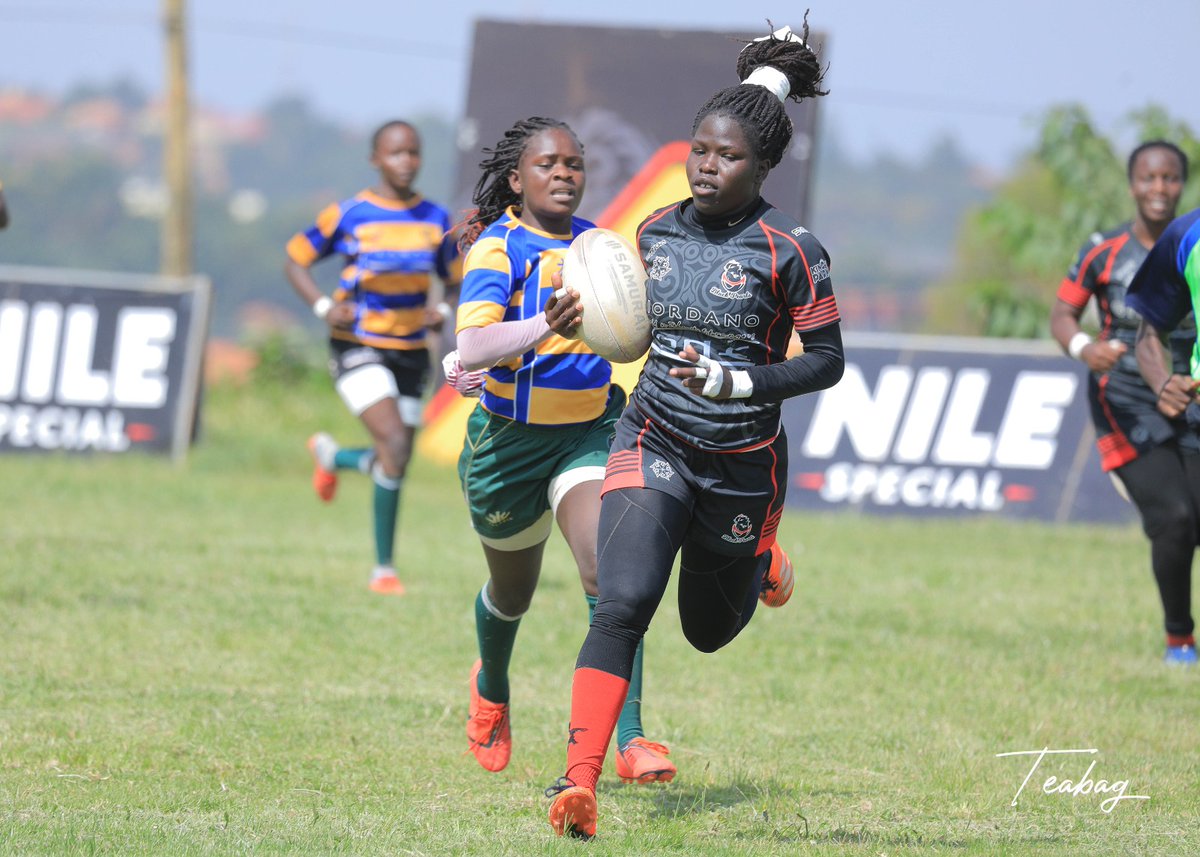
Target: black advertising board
(937, 426)
(625, 92)
(98, 362)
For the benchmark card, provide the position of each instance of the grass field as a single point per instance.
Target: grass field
(192, 664)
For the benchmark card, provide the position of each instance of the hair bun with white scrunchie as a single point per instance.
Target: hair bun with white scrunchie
(783, 63)
(769, 76)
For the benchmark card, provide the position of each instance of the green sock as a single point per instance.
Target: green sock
(629, 725)
(352, 459)
(496, 637)
(387, 508)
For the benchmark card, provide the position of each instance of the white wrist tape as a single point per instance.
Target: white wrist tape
(742, 385)
(321, 306)
(713, 374)
(1078, 342)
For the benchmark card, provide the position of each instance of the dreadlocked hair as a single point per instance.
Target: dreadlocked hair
(492, 192)
(759, 112)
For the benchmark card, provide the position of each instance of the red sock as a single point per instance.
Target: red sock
(1181, 640)
(596, 700)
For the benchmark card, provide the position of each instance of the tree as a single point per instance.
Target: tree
(1013, 251)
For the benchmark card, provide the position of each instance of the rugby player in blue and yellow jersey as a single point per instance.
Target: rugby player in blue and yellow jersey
(537, 441)
(1166, 291)
(393, 241)
(1139, 445)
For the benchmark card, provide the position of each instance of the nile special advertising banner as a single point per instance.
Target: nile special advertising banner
(925, 425)
(93, 362)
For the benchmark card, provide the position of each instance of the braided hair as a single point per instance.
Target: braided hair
(493, 194)
(1157, 144)
(759, 111)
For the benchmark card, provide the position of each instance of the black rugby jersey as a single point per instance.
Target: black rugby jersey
(1104, 269)
(735, 294)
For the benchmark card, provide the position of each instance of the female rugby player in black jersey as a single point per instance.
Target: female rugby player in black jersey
(698, 466)
(1137, 443)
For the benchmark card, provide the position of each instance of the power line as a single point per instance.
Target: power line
(293, 34)
(259, 30)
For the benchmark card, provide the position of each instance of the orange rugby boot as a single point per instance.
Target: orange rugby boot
(488, 729)
(385, 582)
(642, 761)
(572, 810)
(322, 448)
(779, 579)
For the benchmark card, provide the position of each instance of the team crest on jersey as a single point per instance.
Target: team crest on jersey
(819, 271)
(495, 519)
(741, 530)
(661, 469)
(660, 266)
(733, 282)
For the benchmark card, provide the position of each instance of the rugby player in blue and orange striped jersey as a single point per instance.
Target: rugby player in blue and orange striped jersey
(537, 442)
(393, 241)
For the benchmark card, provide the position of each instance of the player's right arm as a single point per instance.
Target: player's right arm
(1074, 292)
(303, 251)
(484, 337)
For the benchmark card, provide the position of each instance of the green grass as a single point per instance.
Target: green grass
(192, 664)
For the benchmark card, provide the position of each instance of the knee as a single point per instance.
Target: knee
(1174, 520)
(704, 637)
(393, 453)
(587, 577)
(623, 617)
(513, 599)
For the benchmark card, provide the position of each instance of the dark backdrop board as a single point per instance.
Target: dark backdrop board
(958, 427)
(625, 92)
(96, 362)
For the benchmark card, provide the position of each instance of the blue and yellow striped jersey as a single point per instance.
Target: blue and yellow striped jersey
(507, 278)
(391, 249)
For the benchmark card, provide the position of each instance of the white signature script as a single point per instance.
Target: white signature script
(1085, 785)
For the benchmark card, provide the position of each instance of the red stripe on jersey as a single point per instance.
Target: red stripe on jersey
(624, 468)
(815, 315)
(774, 512)
(812, 287)
(653, 219)
(819, 313)
(1106, 314)
(1113, 244)
(1072, 293)
(1115, 449)
(1116, 244)
(775, 290)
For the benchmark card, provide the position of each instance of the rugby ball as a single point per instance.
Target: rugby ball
(607, 272)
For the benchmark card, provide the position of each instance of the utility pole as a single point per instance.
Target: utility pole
(176, 237)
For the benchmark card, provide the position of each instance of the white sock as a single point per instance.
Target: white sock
(325, 448)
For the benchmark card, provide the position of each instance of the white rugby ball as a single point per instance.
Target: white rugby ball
(607, 272)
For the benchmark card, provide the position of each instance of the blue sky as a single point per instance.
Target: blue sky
(901, 74)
